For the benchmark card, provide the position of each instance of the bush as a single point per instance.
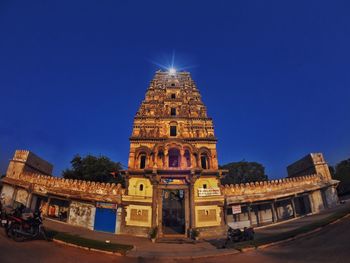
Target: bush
(153, 233)
(194, 233)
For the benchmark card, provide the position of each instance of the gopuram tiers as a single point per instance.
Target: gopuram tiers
(172, 112)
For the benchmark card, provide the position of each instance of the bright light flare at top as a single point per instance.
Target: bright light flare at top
(172, 71)
(169, 67)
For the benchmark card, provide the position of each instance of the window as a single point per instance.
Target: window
(174, 157)
(142, 161)
(141, 187)
(172, 130)
(173, 111)
(204, 186)
(204, 161)
(173, 96)
(173, 84)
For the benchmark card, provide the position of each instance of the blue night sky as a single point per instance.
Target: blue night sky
(273, 74)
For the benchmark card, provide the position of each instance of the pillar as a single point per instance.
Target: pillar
(274, 214)
(48, 206)
(119, 220)
(312, 207)
(182, 159)
(29, 199)
(192, 205)
(193, 160)
(154, 204)
(166, 161)
(249, 213)
(14, 196)
(149, 161)
(293, 206)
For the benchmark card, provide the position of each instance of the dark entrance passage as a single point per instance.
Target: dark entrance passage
(302, 205)
(173, 212)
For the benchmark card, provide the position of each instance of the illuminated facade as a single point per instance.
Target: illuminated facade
(173, 176)
(172, 180)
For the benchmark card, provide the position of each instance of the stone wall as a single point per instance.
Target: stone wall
(82, 214)
(138, 215)
(7, 192)
(317, 203)
(84, 190)
(250, 192)
(331, 196)
(208, 216)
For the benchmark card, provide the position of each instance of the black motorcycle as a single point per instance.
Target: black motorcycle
(20, 228)
(3, 217)
(237, 235)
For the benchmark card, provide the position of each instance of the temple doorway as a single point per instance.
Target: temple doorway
(173, 212)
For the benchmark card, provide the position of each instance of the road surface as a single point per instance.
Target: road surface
(331, 244)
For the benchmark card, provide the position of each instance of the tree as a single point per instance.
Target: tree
(342, 173)
(243, 172)
(92, 168)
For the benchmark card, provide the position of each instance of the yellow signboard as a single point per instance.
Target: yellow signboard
(202, 192)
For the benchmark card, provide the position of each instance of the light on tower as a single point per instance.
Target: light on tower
(172, 71)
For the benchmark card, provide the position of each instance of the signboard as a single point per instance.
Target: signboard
(236, 209)
(202, 192)
(106, 205)
(173, 181)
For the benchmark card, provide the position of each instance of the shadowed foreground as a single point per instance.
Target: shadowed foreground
(328, 245)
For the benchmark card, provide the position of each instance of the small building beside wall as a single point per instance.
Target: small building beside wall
(261, 203)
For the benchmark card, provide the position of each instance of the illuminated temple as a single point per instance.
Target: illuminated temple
(172, 180)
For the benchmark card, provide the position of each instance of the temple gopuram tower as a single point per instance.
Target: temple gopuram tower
(173, 180)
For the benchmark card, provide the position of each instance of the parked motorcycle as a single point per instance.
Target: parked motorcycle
(20, 228)
(3, 220)
(237, 235)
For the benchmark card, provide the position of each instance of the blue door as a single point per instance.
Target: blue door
(105, 220)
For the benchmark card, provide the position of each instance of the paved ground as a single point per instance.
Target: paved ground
(145, 248)
(329, 245)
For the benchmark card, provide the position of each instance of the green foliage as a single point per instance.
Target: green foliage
(244, 172)
(92, 168)
(89, 243)
(342, 173)
(194, 233)
(153, 233)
